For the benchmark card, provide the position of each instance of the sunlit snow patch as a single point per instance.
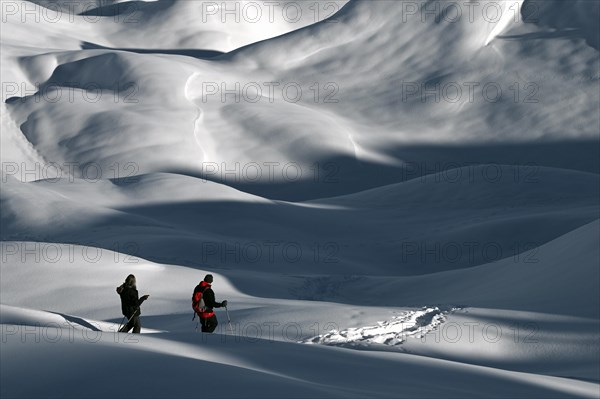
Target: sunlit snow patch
(392, 332)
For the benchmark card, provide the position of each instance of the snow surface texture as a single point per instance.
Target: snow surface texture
(384, 234)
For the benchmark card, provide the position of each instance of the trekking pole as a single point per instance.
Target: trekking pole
(121, 324)
(197, 323)
(228, 320)
(128, 320)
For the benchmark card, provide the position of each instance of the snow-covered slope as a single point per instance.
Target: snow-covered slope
(411, 188)
(439, 223)
(364, 110)
(525, 342)
(239, 368)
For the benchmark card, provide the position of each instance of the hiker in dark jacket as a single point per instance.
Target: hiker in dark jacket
(130, 304)
(204, 302)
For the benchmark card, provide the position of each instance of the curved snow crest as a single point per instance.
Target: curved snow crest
(183, 24)
(506, 19)
(20, 316)
(394, 332)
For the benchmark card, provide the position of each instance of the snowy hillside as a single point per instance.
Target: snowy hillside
(396, 198)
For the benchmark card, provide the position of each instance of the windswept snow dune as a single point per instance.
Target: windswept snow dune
(489, 213)
(397, 199)
(559, 277)
(367, 109)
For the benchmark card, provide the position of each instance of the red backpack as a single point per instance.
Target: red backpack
(197, 300)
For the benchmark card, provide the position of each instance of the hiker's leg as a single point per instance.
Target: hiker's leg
(211, 323)
(127, 327)
(130, 324)
(137, 324)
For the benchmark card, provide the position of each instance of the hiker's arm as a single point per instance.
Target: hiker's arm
(142, 299)
(209, 299)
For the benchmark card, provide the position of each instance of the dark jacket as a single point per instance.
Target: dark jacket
(130, 300)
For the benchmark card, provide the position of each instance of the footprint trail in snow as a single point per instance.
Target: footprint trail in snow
(410, 324)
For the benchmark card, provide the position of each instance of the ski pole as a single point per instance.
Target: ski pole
(130, 318)
(121, 323)
(198, 322)
(228, 320)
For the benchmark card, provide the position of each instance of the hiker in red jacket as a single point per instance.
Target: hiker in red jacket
(203, 303)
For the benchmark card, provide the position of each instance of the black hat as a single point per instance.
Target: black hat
(208, 278)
